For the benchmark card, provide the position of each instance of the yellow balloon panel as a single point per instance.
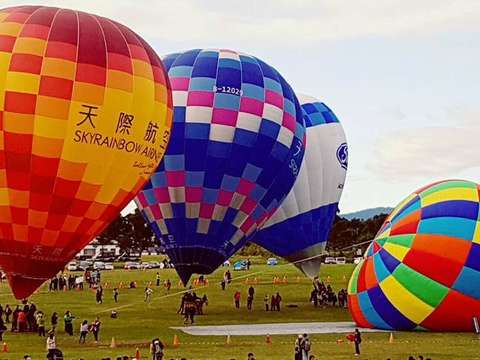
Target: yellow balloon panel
(85, 115)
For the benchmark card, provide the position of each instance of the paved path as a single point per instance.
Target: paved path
(273, 329)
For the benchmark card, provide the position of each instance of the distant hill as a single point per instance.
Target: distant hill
(367, 213)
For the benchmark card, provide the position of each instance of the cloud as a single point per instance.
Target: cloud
(280, 22)
(443, 151)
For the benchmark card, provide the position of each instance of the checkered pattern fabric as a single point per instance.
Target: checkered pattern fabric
(236, 147)
(423, 269)
(300, 227)
(77, 94)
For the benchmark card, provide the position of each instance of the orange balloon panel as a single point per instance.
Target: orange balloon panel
(85, 116)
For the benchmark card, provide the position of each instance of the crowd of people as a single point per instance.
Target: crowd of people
(62, 282)
(191, 305)
(322, 295)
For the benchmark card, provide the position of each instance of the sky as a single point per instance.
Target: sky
(402, 76)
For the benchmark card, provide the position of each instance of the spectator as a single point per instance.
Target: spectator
(15, 318)
(83, 332)
(278, 300)
(96, 328)
(148, 293)
(265, 301)
(156, 349)
(68, 320)
(357, 340)
(99, 295)
(2, 328)
(51, 345)
(273, 305)
(298, 348)
(8, 312)
(40, 318)
(306, 345)
(54, 321)
(236, 298)
(22, 321)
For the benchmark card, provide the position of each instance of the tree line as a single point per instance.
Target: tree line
(133, 234)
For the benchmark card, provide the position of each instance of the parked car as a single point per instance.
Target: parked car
(357, 260)
(72, 266)
(98, 265)
(85, 265)
(340, 260)
(240, 265)
(132, 265)
(109, 266)
(272, 261)
(330, 260)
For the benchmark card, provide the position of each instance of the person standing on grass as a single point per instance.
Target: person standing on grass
(265, 301)
(8, 312)
(148, 293)
(278, 300)
(54, 320)
(298, 348)
(273, 304)
(306, 346)
(40, 318)
(169, 285)
(22, 321)
(96, 328)
(2, 328)
(51, 345)
(99, 295)
(83, 332)
(156, 349)
(223, 283)
(236, 298)
(357, 340)
(158, 279)
(68, 321)
(15, 318)
(115, 295)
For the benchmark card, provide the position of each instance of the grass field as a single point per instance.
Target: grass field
(138, 322)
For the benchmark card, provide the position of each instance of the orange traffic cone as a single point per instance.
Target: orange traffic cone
(113, 344)
(65, 288)
(390, 340)
(176, 342)
(285, 279)
(5, 348)
(255, 281)
(229, 340)
(247, 281)
(268, 339)
(298, 279)
(137, 354)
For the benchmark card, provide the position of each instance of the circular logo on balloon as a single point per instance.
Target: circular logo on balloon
(342, 155)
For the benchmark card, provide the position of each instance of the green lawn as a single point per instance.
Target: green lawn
(138, 322)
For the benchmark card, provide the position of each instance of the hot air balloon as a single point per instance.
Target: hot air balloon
(422, 270)
(85, 118)
(299, 229)
(236, 148)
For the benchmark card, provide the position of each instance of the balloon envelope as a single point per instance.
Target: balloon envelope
(85, 118)
(422, 270)
(300, 227)
(236, 147)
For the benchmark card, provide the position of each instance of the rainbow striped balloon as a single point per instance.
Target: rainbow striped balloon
(423, 268)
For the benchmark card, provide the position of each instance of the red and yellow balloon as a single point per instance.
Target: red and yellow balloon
(85, 116)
